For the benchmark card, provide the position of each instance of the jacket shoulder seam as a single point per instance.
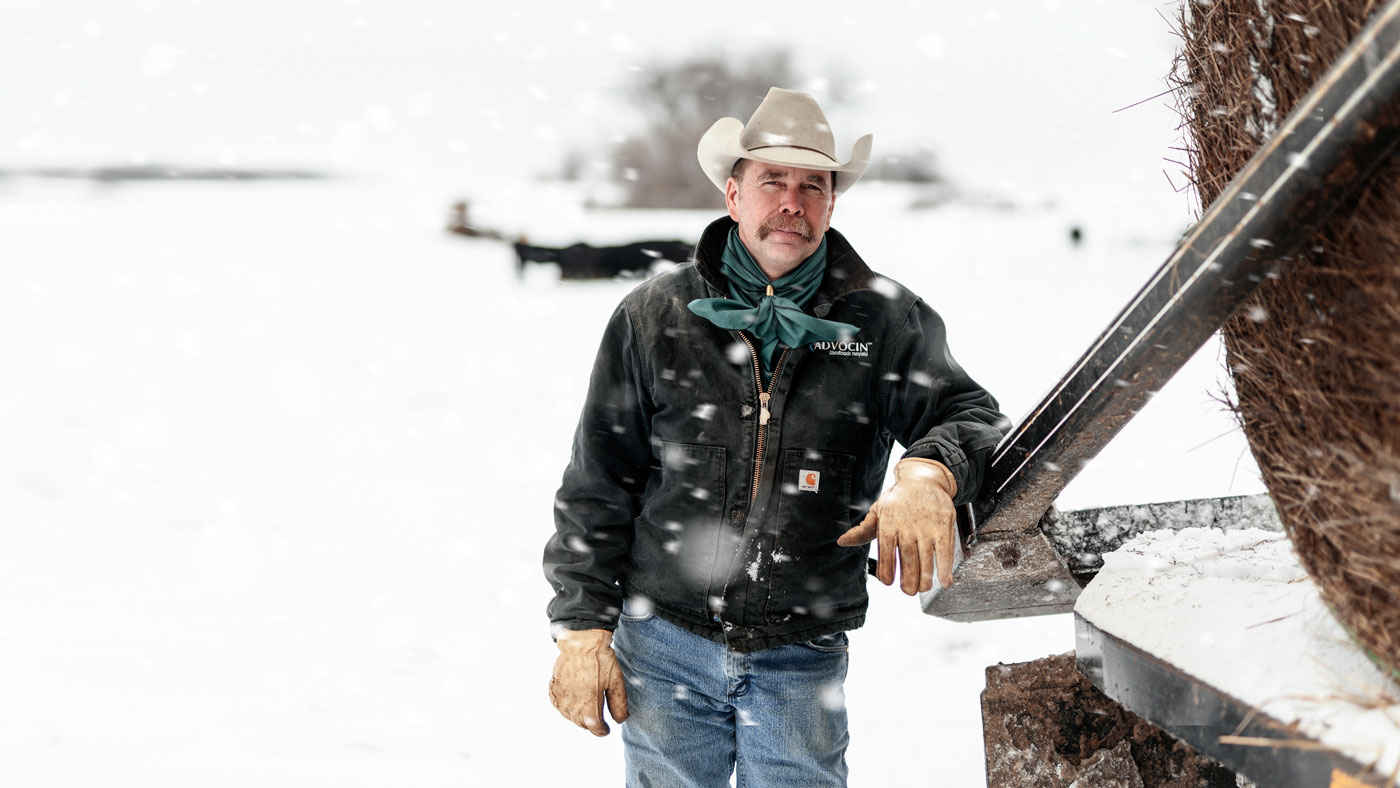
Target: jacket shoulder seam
(637, 357)
(891, 355)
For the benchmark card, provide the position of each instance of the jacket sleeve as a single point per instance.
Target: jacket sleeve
(599, 497)
(935, 410)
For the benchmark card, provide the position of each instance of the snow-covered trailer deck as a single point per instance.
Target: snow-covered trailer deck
(1220, 638)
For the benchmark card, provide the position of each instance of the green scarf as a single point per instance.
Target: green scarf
(770, 318)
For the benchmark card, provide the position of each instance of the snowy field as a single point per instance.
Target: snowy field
(276, 465)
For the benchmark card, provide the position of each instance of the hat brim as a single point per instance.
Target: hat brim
(719, 148)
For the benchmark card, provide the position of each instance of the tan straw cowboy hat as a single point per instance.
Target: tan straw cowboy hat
(789, 129)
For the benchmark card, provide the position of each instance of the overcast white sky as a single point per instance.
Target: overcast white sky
(1020, 92)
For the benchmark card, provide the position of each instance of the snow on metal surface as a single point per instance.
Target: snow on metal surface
(1210, 602)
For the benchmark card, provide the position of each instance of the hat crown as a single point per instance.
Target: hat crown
(788, 129)
(792, 119)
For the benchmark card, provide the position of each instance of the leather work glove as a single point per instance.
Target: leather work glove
(585, 671)
(916, 518)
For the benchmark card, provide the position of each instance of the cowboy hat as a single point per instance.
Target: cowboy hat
(788, 129)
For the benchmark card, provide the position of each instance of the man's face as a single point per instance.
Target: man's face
(783, 213)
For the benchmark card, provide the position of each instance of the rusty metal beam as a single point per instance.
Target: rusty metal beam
(1321, 154)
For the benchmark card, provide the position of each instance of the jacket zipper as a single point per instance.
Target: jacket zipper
(764, 397)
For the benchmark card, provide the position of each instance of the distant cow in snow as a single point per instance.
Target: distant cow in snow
(459, 224)
(583, 261)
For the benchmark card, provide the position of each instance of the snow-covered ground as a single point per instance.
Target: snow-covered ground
(276, 464)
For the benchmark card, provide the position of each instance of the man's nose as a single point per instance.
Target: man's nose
(791, 201)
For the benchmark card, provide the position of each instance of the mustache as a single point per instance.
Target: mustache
(791, 224)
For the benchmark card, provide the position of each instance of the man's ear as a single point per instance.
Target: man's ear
(731, 198)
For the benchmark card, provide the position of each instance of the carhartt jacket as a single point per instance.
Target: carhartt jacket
(717, 499)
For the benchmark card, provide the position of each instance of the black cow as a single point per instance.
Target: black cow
(582, 261)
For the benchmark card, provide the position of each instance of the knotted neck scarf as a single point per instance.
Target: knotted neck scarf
(770, 316)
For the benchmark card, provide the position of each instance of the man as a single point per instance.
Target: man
(739, 423)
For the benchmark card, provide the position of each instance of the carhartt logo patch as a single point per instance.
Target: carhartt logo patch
(809, 481)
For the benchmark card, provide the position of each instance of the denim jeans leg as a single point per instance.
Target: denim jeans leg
(792, 718)
(680, 728)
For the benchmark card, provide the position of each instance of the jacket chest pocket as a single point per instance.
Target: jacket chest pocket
(692, 482)
(811, 573)
(814, 498)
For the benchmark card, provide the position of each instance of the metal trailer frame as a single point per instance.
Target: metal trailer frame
(1321, 154)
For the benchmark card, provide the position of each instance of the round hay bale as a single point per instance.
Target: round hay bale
(1315, 355)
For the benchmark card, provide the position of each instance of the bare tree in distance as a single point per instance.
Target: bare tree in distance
(678, 101)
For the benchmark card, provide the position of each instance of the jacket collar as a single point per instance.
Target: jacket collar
(845, 271)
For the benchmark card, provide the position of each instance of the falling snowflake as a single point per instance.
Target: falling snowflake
(885, 287)
(833, 697)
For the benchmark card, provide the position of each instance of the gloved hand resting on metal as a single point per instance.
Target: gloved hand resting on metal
(584, 673)
(916, 519)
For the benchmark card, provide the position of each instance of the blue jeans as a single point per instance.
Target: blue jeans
(699, 712)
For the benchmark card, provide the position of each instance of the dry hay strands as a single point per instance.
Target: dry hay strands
(1315, 354)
